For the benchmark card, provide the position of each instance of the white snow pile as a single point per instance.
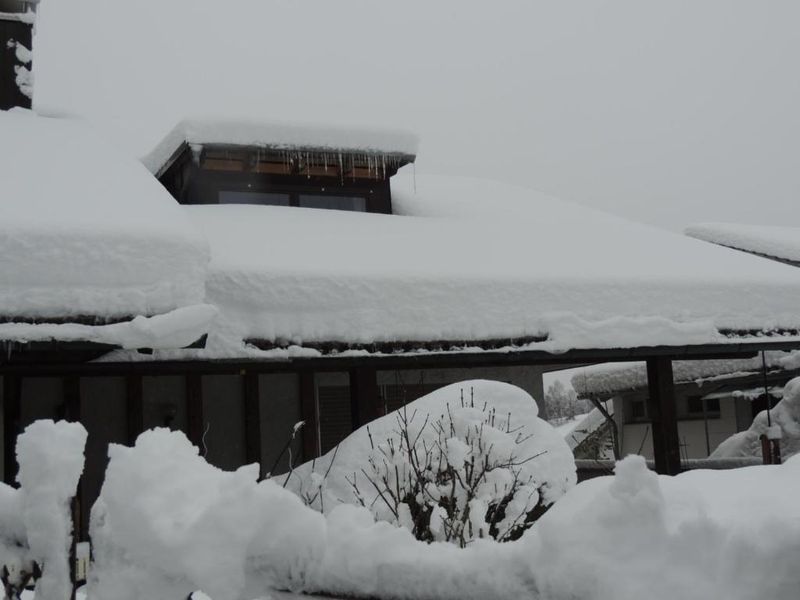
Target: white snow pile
(464, 449)
(472, 260)
(611, 378)
(36, 519)
(782, 243)
(87, 231)
(260, 134)
(784, 418)
(731, 534)
(168, 523)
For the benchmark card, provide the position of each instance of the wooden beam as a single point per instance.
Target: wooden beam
(310, 414)
(135, 406)
(252, 420)
(12, 408)
(71, 386)
(365, 403)
(195, 418)
(663, 415)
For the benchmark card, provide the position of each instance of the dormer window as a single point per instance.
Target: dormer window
(278, 173)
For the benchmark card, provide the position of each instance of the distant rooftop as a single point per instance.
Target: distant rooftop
(607, 380)
(778, 243)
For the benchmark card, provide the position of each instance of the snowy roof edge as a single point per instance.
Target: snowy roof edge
(278, 136)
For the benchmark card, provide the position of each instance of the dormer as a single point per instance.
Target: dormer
(237, 162)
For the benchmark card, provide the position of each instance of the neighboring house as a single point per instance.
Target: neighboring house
(279, 274)
(713, 399)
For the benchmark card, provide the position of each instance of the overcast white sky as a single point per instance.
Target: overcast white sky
(665, 112)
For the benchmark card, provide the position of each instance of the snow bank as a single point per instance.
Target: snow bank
(50, 457)
(785, 417)
(552, 471)
(488, 261)
(611, 378)
(703, 534)
(168, 523)
(782, 243)
(85, 231)
(238, 132)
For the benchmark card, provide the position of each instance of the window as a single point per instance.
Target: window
(694, 406)
(263, 198)
(637, 412)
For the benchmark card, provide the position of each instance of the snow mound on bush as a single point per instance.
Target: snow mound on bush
(552, 470)
(785, 415)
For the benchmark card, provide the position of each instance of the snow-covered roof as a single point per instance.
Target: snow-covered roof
(780, 243)
(471, 260)
(279, 136)
(608, 379)
(86, 233)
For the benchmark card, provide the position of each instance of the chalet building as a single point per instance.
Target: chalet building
(713, 399)
(246, 276)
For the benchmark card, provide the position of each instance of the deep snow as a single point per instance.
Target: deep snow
(168, 523)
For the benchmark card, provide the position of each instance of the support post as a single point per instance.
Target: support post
(195, 419)
(252, 421)
(135, 405)
(365, 403)
(12, 396)
(663, 416)
(310, 414)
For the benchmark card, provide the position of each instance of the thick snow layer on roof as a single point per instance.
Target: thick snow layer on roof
(476, 260)
(776, 242)
(85, 230)
(279, 136)
(612, 378)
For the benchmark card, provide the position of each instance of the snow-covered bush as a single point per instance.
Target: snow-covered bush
(36, 519)
(471, 460)
(784, 416)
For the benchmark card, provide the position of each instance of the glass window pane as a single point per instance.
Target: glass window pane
(265, 198)
(355, 203)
